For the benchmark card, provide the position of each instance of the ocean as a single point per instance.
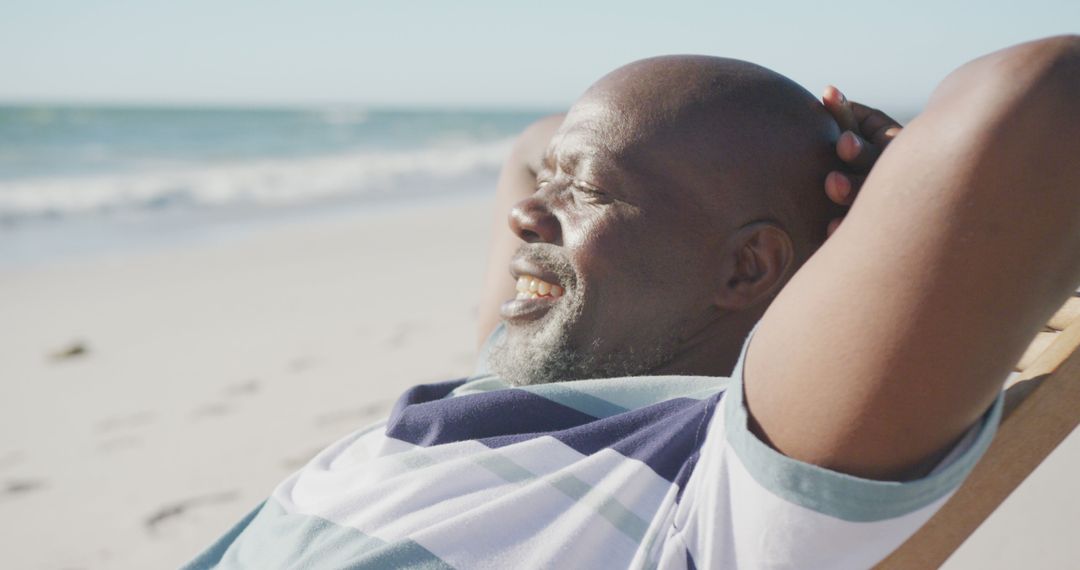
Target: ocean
(78, 180)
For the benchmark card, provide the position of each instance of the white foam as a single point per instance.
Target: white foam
(251, 183)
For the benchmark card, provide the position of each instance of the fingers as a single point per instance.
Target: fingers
(840, 108)
(866, 133)
(856, 152)
(843, 188)
(875, 125)
(872, 124)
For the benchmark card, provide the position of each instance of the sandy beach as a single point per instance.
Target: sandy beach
(152, 399)
(212, 371)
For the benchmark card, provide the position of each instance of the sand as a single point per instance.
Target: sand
(208, 372)
(211, 372)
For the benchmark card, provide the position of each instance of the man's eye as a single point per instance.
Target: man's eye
(591, 192)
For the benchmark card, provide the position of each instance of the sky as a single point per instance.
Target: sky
(473, 53)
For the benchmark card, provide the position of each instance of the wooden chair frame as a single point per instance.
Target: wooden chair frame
(1042, 407)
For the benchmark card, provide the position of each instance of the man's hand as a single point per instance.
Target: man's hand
(866, 133)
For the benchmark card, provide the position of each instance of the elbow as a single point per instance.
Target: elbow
(1023, 92)
(1045, 71)
(1055, 68)
(531, 144)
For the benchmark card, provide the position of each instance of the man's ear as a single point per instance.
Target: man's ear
(759, 259)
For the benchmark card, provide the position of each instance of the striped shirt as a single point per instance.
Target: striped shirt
(641, 472)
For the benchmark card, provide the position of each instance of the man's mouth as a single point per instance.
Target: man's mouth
(535, 297)
(529, 287)
(540, 286)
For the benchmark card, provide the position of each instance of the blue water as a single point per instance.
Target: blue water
(67, 170)
(50, 141)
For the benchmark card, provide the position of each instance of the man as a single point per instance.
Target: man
(673, 207)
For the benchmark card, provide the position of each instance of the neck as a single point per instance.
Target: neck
(712, 348)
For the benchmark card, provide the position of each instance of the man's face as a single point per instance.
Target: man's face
(617, 228)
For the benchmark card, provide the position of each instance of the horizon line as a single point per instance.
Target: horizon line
(278, 105)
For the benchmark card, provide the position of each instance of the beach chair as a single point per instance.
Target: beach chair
(1042, 406)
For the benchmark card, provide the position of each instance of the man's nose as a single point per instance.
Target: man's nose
(532, 220)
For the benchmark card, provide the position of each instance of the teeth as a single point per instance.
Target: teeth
(530, 287)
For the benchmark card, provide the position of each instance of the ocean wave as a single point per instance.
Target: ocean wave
(260, 183)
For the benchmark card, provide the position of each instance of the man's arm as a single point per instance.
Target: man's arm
(896, 336)
(517, 181)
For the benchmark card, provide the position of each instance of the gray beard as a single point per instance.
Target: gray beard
(542, 352)
(546, 355)
(532, 363)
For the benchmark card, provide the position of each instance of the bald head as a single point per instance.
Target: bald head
(749, 143)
